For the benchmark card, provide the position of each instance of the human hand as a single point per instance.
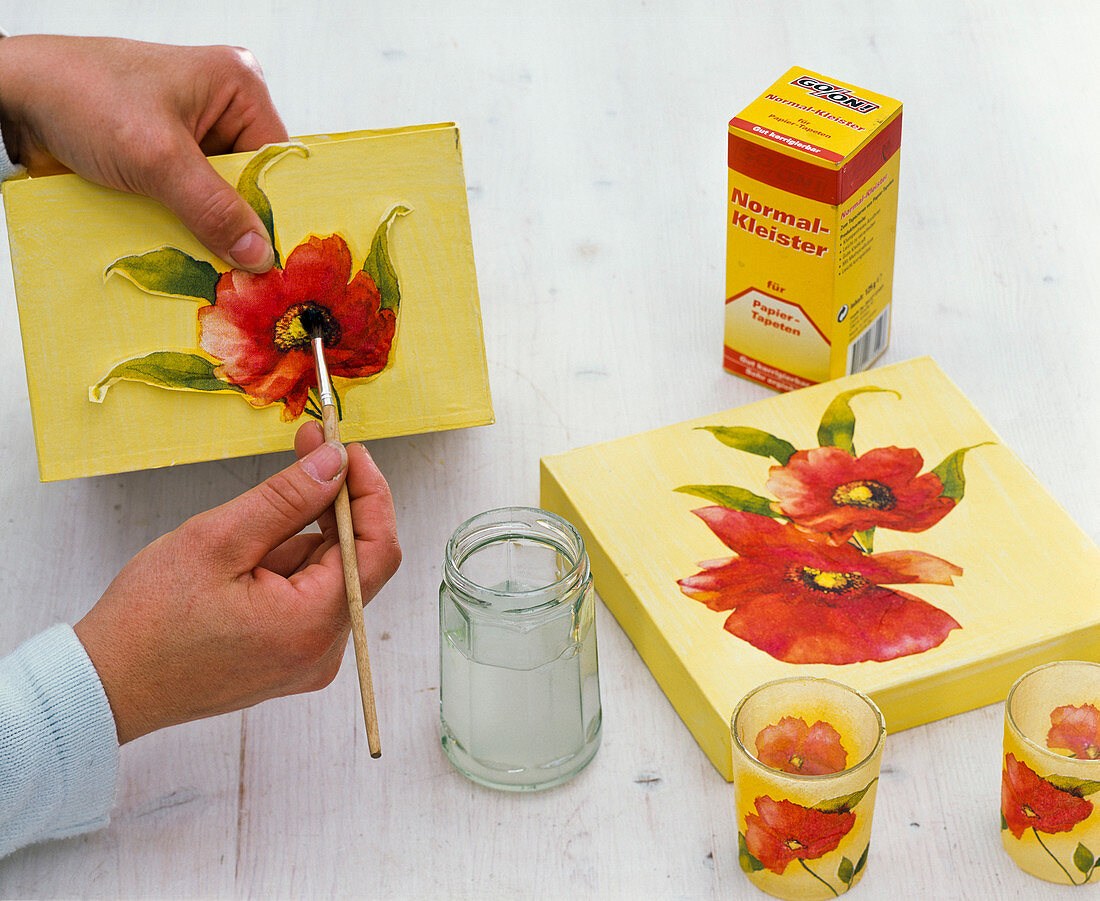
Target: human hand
(141, 117)
(235, 606)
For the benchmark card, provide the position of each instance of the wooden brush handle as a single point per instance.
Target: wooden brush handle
(346, 530)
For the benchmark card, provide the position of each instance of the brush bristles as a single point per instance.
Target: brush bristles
(313, 322)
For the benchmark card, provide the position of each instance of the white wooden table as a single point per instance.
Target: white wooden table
(594, 137)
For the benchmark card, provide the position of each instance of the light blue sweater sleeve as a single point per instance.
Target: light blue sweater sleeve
(58, 747)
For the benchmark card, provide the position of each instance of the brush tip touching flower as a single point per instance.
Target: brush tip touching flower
(313, 322)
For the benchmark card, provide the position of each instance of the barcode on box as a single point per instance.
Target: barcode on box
(865, 349)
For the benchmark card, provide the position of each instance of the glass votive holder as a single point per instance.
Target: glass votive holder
(1050, 825)
(806, 757)
(519, 690)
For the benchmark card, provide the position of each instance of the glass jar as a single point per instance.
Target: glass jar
(519, 691)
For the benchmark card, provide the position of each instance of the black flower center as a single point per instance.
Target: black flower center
(864, 493)
(828, 582)
(291, 333)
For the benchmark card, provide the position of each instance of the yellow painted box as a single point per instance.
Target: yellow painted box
(143, 350)
(813, 193)
(873, 530)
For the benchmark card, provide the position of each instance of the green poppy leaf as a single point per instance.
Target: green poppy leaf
(748, 863)
(163, 369)
(862, 862)
(377, 264)
(950, 472)
(1083, 858)
(169, 272)
(732, 497)
(753, 441)
(838, 423)
(845, 803)
(248, 184)
(1079, 787)
(866, 539)
(1004, 822)
(845, 871)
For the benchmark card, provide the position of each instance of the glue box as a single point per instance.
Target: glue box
(813, 196)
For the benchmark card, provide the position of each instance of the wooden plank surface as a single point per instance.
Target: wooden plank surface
(594, 143)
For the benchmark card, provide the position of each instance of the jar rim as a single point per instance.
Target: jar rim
(503, 523)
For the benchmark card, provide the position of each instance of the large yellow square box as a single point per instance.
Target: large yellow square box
(813, 193)
(872, 530)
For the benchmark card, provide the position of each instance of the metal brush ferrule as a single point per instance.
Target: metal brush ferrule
(324, 383)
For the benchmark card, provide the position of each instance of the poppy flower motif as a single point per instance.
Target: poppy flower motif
(781, 832)
(255, 324)
(827, 489)
(251, 334)
(793, 747)
(802, 599)
(1075, 730)
(1030, 802)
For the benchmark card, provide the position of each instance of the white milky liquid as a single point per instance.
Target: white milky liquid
(515, 727)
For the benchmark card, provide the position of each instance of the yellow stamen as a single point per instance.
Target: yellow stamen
(291, 334)
(864, 493)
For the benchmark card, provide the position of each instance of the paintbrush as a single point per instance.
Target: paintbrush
(313, 322)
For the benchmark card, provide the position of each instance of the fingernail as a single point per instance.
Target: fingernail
(326, 462)
(252, 252)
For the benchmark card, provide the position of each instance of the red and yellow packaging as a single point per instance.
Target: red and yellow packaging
(813, 198)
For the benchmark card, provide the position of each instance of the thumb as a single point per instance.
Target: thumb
(249, 527)
(213, 211)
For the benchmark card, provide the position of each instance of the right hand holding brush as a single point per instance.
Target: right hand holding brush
(235, 606)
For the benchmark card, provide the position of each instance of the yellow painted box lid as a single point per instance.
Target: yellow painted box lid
(144, 350)
(873, 530)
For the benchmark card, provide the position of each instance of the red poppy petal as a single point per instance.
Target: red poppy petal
(747, 533)
(778, 546)
(822, 832)
(370, 355)
(358, 308)
(318, 269)
(916, 566)
(766, 846)
(880, 625)
(293, 371)
(782, 831)
(778, 743)
(808, 476)
(793, 747)
(823, 751)
(741, 579)
(892, 465)
(1030, 802)
(1075, 730)
(295, 400)
(253, 301)
(807, 489)
(241, 353)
